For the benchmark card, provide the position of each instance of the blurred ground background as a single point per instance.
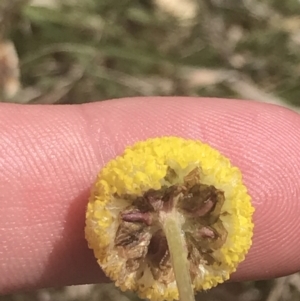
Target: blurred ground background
(76, 51)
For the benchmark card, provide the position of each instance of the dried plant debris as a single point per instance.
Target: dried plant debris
(153, 182)
(9, 70)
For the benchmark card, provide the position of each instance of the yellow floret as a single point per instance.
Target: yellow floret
(144, 166)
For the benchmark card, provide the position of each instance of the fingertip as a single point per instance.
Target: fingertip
(53, 153)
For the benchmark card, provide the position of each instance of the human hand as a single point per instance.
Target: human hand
(50, 156)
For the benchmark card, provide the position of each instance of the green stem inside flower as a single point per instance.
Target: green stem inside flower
(179, 255)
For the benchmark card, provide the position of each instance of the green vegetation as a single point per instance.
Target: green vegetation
(81, 51)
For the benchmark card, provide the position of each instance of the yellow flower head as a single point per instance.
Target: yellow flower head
(136, 191)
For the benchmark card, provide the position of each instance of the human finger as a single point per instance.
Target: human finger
(50, 155)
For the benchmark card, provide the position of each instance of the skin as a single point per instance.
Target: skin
(50, 155)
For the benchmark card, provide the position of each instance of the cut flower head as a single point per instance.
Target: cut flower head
(153, 185)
